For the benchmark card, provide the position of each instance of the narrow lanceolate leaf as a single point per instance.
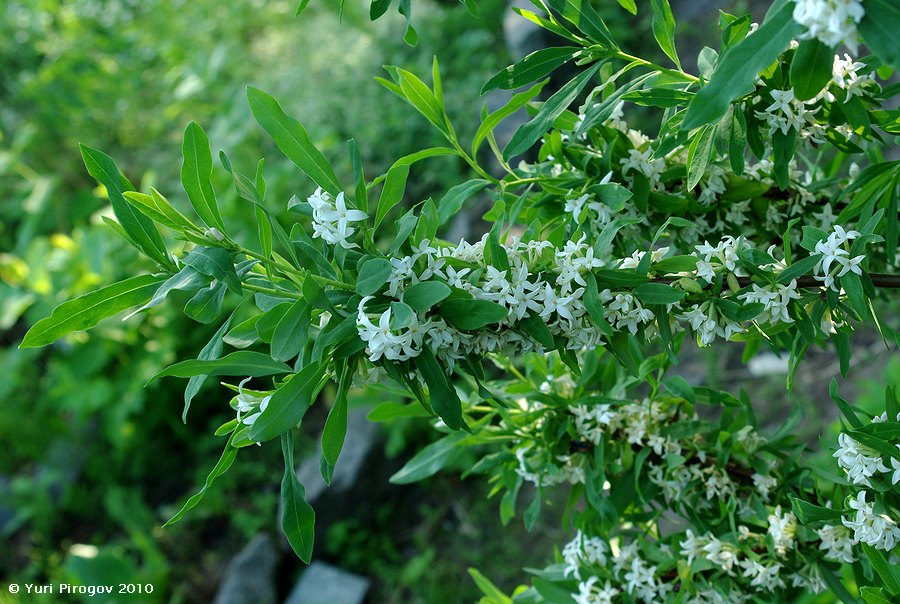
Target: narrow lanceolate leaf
(737, 69)
(664, 29)
(288, 404)
(392, 193)
(658, 293)
(196, 171)
(583, 15)
(242, 362)
(527, 134)
(225, 461)
(811, 68)
(139, 229)
(493, 120)
(698, 155)
(532, 68)
(420, 96)
(298, 519)
(292, 139)
(441, 393)
(429, 460)
(335, 429)
(211, 351)
(86, 311)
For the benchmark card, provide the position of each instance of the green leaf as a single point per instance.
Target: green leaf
(845, 408)
(264, 231)
(392, 192)
(288, 404)
(298, 519)
(491, 591)
(335, 429)
(812, 236)
(196, 170)
(430, 460)
(811, 68)
(453, 200)
(420, 96)
(492, 120)
(292, 332)
(292, 139)
(242, 362)
(879, 30)
(86, 311)
(808, 513)
(799, 268)
(424, 295)
(738, 68)
(139, 229)
(699, 153)
(885, 569)
(535, 327)
(595, 307)
(212, 350)
(362, 199)
(874, 595)
(373, 275)
(466, 314)
(664, 29)
(441, 393)
(215, 262)
(532, 68)
(157, 208)
(853, 286)
(628, 5)
(659, 97)
(206, 304)
(675, 264)
(582, 15)
(527, 134)
(658, 293)
(225, 461)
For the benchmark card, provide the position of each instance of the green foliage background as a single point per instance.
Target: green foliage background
(92, 456)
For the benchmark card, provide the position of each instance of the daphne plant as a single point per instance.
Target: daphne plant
(758, 207)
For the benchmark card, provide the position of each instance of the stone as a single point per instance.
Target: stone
(322, 583)
(250, 576)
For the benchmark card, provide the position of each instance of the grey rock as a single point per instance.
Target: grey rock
(250, 576)
(322, 583)
(361, 438)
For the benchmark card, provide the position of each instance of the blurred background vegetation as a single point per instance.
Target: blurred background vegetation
(91, 457)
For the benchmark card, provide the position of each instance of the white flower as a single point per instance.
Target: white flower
(763, 485)
(331, 218)
(836, 543)
(250, 405)
(590, 592)
(643, 162)
(782, 529)
(831, 21)
(860, 462)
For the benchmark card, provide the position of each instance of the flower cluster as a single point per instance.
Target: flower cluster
(331, 218)
(836, 261)
(833, 22)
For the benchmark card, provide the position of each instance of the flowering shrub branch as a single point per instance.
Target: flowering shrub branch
(761, 210)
